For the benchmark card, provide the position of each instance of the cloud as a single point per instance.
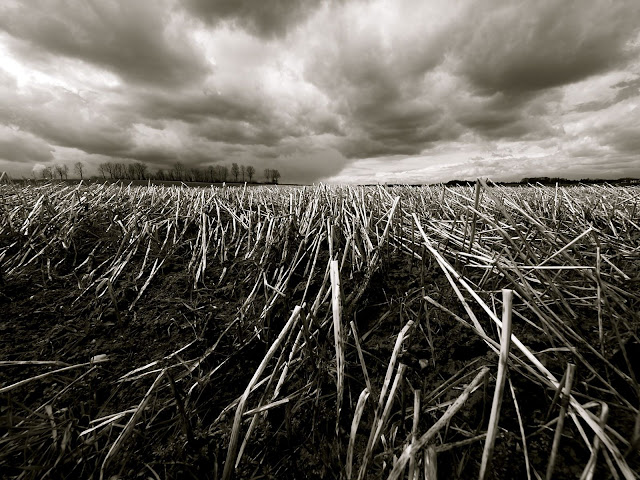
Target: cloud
(264, 18)
(135, 40)
(302, 164)
(196, 105)
(617, 93)
(519, 47)
(625, 140)
(490, 71)
(67, 119)
(621, 131)
(506, 116)
(380, 69)
(22, 147)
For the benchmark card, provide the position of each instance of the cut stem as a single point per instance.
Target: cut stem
(566, 395)
(505, 345)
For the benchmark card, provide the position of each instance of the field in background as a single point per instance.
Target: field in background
(318, 332)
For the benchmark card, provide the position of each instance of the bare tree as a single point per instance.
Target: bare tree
(107, 168)
(271, 175)
(65, 171)
(220, 173)
(243, 170)
(47, 173)
(178, 171)
(141, 170)
(59, 171)
(79, 168)
(195, 174)
(115, 170)
(120, 171)
(251, 172)
(235, 171)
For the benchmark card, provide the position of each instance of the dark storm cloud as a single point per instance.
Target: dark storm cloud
(402, 120)
(516, 46)
(234, 132)
(314, 163)
(506, 116)
(397, 127)
(195, 105)
(265, 18)
(22, 147)
(378, 84)
(129, 38)
(157, 155)
(63, 118)
(624, 140)
(236, 116)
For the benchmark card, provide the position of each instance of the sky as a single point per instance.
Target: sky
(339, 91)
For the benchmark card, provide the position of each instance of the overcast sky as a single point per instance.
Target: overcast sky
(337, 90)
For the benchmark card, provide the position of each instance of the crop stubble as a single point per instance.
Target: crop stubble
(316, 332)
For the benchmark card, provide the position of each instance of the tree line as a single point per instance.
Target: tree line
(177, 172)
(180, 172)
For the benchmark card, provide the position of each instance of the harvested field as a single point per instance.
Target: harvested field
(319, 332)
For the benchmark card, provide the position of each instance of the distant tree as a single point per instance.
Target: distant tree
(235, 171)
(210, 174)
(243, 170)
(195, 175)
(251, 172)
(141, 170)
(47, 173)
(106, 169)
(131, 172)
(178, 171)
(79, 168)
(59, 171)
(119, 171)
(271, 175)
